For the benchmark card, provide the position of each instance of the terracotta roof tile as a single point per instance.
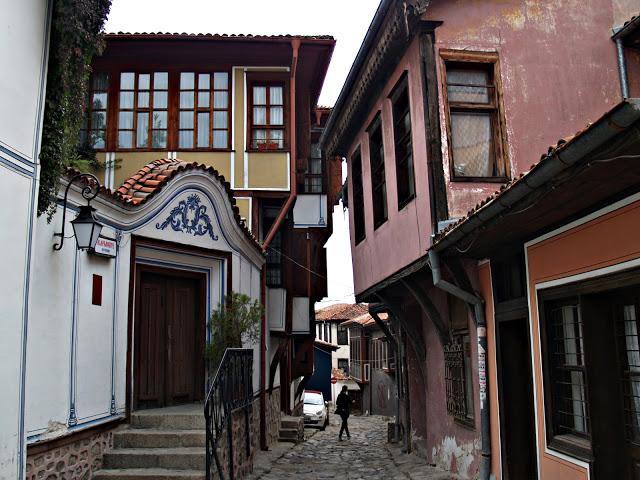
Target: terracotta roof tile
(151, 178)
(216, 36)
(341, 311)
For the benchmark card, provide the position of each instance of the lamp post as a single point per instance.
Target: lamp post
(85, 226)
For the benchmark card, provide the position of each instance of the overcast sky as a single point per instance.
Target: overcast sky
(346, 20)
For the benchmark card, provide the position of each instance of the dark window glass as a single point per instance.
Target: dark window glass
(343, 364)
(402, 143)
(378, 183)
(94, 128)
(343, 335)
(357, 198)
(274, 252)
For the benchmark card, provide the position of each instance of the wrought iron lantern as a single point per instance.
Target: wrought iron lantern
(86, 227)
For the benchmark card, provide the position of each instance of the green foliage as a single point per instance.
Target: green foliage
(237, 320)
(76, 36)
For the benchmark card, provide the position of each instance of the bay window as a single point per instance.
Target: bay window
(267, 117)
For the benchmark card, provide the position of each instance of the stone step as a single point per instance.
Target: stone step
(152, 438)
(168, 421)
(291, 422)
(289, 433)
(169, 458)
(148, 474)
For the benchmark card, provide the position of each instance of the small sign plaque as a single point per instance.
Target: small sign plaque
(106, 247)
(334, 380)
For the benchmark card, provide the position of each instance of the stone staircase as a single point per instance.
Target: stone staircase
(159, 444)
(291, 429)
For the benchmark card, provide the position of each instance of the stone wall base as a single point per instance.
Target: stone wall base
(72, 459)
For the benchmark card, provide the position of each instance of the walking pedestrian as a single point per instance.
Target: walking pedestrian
(343, 408)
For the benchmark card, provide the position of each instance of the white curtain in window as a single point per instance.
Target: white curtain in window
(471, 139)
(276, 97)
(259, 95)
(633, 360)
(259, 115)
(142, 136)
(276, 116)
(186, 99)
(203, 130)
(185, 139)
(126, 81)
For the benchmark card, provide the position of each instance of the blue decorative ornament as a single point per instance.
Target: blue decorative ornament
(189, 217)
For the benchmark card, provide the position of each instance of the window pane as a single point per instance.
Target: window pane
(276, 116)
(125, 120)
(143, 99)
(220, 99)
(99, 101)
(186, 80)
(471, 137)
(204, 81)
(203, 130)
(259, 95)
(185, 139)
(159, 99)
(125, 139)
(186, 99)
(259, 115)
(220, 138)
(221, 81)
(276, 96)
(126, 100)
(100, 81)
(126, 81)
(97, 138)
(98, 120)
(159, 120)
(186, 119)
(159, 139)
(259, 137)
(160, 81)
(203, 99)
(468, 86)
(142, 139)
(144, 81)
(220, 119)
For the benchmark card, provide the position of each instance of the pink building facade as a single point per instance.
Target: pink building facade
(490, 85)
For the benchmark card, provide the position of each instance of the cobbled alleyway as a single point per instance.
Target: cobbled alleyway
(367, 455)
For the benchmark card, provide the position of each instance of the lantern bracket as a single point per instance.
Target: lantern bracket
(89, 191)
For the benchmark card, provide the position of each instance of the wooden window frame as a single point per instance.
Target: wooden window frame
(379, 188)
(357, 198)
(87, 129)
(197, 109)
(266, 80)
(402, 86)
(342, 332)
(490, 61)
(150, 109)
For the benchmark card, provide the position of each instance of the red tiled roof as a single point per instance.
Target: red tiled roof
(366, 320)
(547, 157)
(151, 178)
(341, 311)
(339, 374)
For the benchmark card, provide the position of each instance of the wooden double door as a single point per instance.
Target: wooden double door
(169, 338)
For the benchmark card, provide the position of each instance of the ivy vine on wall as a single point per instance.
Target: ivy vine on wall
(76, 36)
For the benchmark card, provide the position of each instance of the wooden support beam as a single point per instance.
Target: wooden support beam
(428, 308)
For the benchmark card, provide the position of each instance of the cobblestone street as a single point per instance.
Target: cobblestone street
(367, 455)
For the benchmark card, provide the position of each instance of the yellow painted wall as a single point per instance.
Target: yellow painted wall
(268, 170)
(238, 126)
(131, 162)
(244, 205)
(221, 161)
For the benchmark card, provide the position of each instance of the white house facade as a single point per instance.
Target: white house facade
(24, 32)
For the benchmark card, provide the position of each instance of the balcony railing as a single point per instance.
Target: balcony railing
(231, 389)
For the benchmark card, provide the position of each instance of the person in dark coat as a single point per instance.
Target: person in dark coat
(343, 408)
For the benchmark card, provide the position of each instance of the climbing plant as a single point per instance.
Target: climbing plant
(234, 321)
(76, 37)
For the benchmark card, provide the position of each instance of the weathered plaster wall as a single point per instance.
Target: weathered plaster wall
(558, 67)
(378, 255)
(585, 248)
(383, 393)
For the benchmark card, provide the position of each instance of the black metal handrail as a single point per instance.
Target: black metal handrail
(230, 390)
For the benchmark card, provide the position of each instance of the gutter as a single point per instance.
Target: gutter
(481, 329)
(560, 160)
(295, 46)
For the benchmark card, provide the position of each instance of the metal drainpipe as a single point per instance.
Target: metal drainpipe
(622, 69)
(295, 47)
(481, 328)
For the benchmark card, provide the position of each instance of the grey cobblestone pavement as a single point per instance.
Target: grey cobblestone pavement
(367, 455)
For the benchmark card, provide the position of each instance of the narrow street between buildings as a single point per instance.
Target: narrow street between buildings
(367, 455)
